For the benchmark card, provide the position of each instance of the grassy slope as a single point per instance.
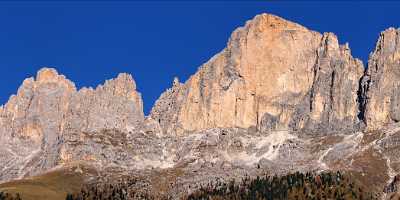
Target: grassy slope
(50, 186)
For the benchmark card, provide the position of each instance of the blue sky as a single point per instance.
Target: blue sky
(90, 42)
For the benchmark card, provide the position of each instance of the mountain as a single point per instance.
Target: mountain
(46, 122)
(273, 75)
(279, 98)
(381, 82)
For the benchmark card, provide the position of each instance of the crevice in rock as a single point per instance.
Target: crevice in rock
(331, 90)
(315, 70)
(362, 96)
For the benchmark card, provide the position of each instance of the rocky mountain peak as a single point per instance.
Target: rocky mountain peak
(269, 22)
(123, 82)
(273, 74)
(123, 86)
(381, 83)
(47, 74)
(47, 86)
(49, 114)
(330, 42)
(176, 82)
(388, 42)
(50, 75)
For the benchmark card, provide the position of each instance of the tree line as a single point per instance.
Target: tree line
(295, 186)
(7, 196)
(118, 190)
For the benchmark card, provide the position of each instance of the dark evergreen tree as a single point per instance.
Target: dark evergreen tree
(292, 186)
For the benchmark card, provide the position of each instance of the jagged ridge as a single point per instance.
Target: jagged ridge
(39, 124)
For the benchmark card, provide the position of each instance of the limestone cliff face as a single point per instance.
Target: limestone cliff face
(273, 74)
(381, 83)
(47, 112)
(116, 105)
(332, 100)
(32, 118)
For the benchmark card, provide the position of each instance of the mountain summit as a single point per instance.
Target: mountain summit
(273, 75)
(38, 124)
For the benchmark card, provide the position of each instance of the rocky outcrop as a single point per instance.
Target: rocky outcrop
(48, 114)
(116, 105)
(273, 74)
(31, 122)
(164, 111)
(331, 104)
(381, 83)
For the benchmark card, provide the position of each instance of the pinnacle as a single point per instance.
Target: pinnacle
(388, 41)
(50, 75)
(272, 21)
(124, 79)
(389, 30)
(390, 33)
(46, 74)
(175, 82)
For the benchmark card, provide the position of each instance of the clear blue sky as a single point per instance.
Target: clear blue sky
(90, 42)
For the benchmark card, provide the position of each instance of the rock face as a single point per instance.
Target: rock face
(273, 74)
(115, 105)
(31, 122)
(38, 123)
(381, 84)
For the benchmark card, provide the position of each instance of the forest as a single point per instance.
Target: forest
(7, 196)
(296, 186)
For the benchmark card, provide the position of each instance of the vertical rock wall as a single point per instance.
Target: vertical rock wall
(381, 83)
(273, 74)
(37, 124)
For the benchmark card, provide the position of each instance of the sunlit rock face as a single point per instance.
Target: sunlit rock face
(273, 74)
(116, 105)
(381, 84)
(47, 113)
(31, 123)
